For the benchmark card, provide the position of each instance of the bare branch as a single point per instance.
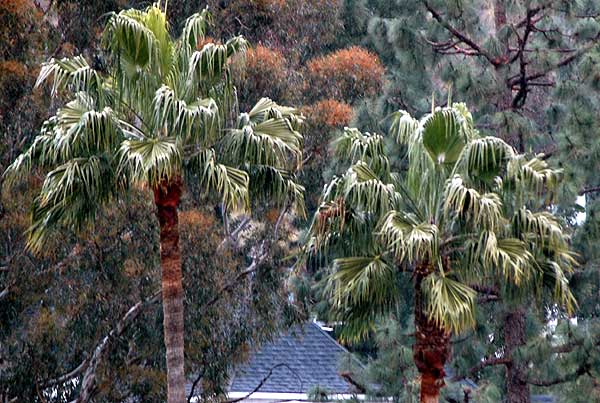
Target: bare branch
(481, 365)
(460, 36)
(589, 190)
(262, 382)
(91, 365)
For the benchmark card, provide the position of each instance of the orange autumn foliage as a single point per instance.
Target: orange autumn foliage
(265, 75)
(329, 112)
(17, 7)
(348, 74)
(196, 219)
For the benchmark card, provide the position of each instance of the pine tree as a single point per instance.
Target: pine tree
(525, 68)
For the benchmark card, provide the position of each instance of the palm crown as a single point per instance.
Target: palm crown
(162, 110)
(469, 211)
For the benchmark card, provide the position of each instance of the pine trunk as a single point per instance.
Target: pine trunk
(166, 198)
(431, 349)
(517, 391)
(505, 96)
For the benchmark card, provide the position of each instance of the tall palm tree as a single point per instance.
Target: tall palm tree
(467, 213)
(161, 113)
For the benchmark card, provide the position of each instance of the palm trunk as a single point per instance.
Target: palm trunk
(517, 391)
(166, 198)
(431, 349)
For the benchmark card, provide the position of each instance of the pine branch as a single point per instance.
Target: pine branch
(481, 365)
(589, 190)
(582, 370)
(564, 62)
(476, 50)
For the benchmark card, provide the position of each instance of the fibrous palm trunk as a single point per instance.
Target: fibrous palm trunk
(431, 349)
(166, 198)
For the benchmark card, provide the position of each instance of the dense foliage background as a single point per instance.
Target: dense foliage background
(528, 69)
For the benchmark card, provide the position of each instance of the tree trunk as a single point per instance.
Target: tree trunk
(517, 391)
(431, 349)
(501, 72)
(166, 198)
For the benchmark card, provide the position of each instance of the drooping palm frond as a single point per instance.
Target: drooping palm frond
(194, 29)
(70, 195)
(355, 146)
(363, 189)
(267, 142)
(126, 36)
(277, 185)
(543, 226)
(229, 183)
(485, 159)
(209, 64)
(74, 74)
(408, 239)
(77, 130)
(150, 160)
(509, 256)
(196, 122)
(534, 174)
(479, 210)
(362, 288)
(450, 303)
(556, 278)
(362, 279)
(403, 127)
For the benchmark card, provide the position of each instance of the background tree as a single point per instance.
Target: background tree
(155, 117)
(523, 67)
(460, 220)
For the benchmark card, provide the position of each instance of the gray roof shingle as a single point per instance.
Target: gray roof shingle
(302, 358)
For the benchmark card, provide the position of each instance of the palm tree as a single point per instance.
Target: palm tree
(468, 213)
(161, 113)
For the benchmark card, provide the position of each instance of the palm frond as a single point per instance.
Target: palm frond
(450, 303)
(150, 160)
(363, 280)
(269, 142)
(70, 196)
(407, 238)
(196, 122)
(443, 135)
(364, 190)
(403, 127)
(77, 130)
(559, 281)
(209, 64)
(231, 184)
(534, 175)
(480, 210)
(128, 38)
(543, 226)
(486, 158)
(510, 256)
(277, 185)
(354, 146)
(75, 74)
(194, 28)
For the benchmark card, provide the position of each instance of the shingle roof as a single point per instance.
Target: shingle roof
(302, 358)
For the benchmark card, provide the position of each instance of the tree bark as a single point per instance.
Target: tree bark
(517, 390)
(431, 349)
(166, 198)
(501, 71)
